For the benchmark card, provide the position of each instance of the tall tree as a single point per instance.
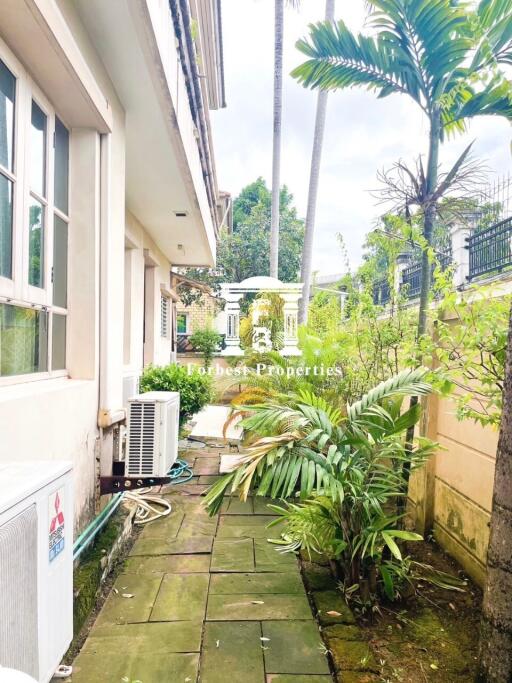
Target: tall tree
(441, 54)
(314, 176)
(496, 631)
(276, 138)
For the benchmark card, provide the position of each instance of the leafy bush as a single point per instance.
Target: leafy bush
(195, 388)
(346, 470)
(206, 342)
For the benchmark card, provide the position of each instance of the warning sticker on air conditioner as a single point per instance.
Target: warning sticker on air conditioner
(56, 517)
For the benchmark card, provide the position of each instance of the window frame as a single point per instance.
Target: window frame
(17, 291)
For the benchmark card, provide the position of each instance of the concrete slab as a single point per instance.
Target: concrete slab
(294, 647)
(167, 564)
(231, 584)
(268, 558)
(257, 607)
(182, 597)
(133, 666)
(148, 638)
(131, 600)
(209, 423)
(177, 546)
(232, 651)
(232, 555)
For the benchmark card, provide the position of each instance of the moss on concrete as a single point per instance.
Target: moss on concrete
(87, 576)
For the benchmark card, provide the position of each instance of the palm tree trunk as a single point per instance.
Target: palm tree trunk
(276, 140)
(496, 625)
(314, 175)
(428, 230)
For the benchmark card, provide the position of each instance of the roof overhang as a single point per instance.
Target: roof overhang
(165, 188)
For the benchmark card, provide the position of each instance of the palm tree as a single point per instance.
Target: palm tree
(442, 55)
(496, 631)
(307, 250)
(276, 139)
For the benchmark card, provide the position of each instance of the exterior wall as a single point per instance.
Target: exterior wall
(200, 315)
(116, 271)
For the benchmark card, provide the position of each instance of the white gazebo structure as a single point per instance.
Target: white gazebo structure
(233, 292)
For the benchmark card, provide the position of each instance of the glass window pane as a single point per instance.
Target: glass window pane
(181, 323)
(61, 166)
(38, 151)
(36, 244)
(7, 94)
(23, 340)
(60, 262)
(5, 227)
(59, 342)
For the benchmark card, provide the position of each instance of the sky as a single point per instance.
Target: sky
(362, 135)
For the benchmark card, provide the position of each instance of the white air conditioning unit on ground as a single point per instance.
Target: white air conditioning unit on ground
(153, 429)
(36, 566)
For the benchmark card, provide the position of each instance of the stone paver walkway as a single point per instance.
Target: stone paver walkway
(202, 599)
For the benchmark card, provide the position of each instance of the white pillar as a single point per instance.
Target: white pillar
(459, 233)
(232, 313)
(290, 310)
(402, 261)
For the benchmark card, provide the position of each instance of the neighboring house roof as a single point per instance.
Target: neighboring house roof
(177, 279)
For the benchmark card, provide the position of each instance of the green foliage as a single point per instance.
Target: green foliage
(271, 316)
(469, 346)
(443, 55)
(245, 252)
(207, 342)
(195, 387)
(346, 469)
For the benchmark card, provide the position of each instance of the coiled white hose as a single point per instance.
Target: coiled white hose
(149, 506)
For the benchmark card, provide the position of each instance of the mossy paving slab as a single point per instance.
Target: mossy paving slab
(332, 608)
(154, 638)
(197, 525)
(235, 506)
(181, 597)
(269, 559)
(257, 607)
(165, 528)
(298, 678)
(130, 610)
(232, 555)
(177, 546)
(352, 655)
(167, 564)
(267, 582)
(232, 651)
(168, 668)
(209, 479)
(261, 506)
(294, 647)
(247, 526)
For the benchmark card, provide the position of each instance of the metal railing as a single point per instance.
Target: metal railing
(490, 250)
(410, 284)
(381, 292)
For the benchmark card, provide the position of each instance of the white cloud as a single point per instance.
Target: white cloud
(362, 135)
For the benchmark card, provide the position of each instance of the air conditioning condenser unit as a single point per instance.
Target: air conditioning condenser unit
(153, 431)
(36, 566)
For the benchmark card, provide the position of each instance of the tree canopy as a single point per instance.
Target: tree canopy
(245, 252)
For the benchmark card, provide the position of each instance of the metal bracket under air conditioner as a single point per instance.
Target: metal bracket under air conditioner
(119, 483)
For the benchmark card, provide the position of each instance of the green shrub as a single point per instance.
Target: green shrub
(206, 342)
(195, 388)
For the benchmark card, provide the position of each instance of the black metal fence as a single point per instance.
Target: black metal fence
(490, 250)
(381, 292)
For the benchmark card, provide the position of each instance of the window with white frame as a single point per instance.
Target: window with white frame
(34, 163)
(164, 316)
